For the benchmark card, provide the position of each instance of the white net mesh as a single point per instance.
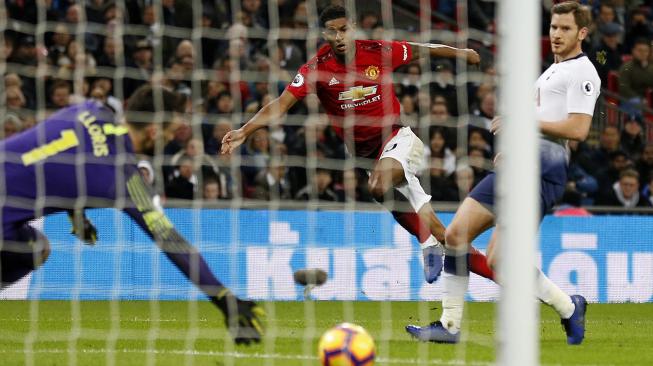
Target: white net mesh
(291, 197)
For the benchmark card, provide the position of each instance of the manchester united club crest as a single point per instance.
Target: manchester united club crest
(372, 72)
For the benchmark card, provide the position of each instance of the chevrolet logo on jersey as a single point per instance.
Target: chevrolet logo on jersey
(356, 93)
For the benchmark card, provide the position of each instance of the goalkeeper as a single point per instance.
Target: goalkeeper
(79, 157)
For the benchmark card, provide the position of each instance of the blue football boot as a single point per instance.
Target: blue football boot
(433, 262)
(575, 325)
(434, 332)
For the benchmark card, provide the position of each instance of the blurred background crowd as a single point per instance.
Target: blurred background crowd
(232, 57)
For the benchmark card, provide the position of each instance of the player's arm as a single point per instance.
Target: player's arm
(575, 127)
(270, 112)
(242, 317)
(444, 51)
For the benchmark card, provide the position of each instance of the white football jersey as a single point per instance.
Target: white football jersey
(570, 86)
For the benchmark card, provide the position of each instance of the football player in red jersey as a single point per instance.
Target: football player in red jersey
(353, 81)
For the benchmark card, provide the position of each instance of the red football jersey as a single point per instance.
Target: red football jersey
(358, 97)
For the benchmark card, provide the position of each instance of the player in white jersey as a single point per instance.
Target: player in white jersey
(565, 97)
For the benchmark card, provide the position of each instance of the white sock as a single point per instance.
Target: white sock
(552, 295)
(453, 301)
(430, 242)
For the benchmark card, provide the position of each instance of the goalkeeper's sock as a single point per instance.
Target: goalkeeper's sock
(552, 295)
(192, 264)
(455, 282)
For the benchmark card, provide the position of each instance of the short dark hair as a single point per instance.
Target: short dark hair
(149, 99)
(641, 40)
(581, 13)
(332, 12)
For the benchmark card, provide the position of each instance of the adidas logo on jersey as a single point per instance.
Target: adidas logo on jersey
(333, 81)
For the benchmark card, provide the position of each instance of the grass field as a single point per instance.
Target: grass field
(192, 333)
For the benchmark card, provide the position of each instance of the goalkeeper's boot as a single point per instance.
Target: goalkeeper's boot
(243, 318)
(575, 325)
(432, 252)
(434, 332)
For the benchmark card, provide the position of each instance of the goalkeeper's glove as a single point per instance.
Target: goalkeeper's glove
(82, 228)
(242, 318)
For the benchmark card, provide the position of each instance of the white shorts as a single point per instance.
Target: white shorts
(406, 148)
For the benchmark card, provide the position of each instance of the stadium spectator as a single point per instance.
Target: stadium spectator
(609, 142)
(272, 183)
(183, 134)
(636, 76)
(440, 114)
(203, 165)
(606, 14)
(617, 162)
(477, 139)
(142, 63)
(465, 180)
(444, 83)
(11, 125)
(481, 120)
(219, 129)
(222, 105)
(479, 162)
(256, 13)
(441, 182)
(74, 57)
(624, 192)
(353, 187)
(409, 115)
(24, 51)
(60, 92)
(581, 182)
(108, 56)
(177, 13)
(226, 182)
(224, 69)
(638, 27)
(481, 15)
(632, 137)
(437, 151)
(15, 99)
(319, 189)
(645, 164)
(60, 39)
(256, 155)
(606, 56)
(146, 170)
(184, 183)
(211, 190)
(647, 192)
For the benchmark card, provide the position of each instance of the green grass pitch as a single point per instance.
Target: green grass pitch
(184, 333)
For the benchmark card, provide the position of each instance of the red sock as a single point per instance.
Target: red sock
(413, 224)
(477, 263)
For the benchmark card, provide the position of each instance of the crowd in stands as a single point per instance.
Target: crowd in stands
(99, 50)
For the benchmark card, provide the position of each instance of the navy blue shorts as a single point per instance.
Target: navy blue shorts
(553, 178)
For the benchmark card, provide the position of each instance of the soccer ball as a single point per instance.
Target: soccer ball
(346, 345)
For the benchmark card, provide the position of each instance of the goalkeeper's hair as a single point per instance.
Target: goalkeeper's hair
(333, 12)
(581, 13)
(147, 100)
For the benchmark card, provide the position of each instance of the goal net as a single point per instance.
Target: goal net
(291, 197)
